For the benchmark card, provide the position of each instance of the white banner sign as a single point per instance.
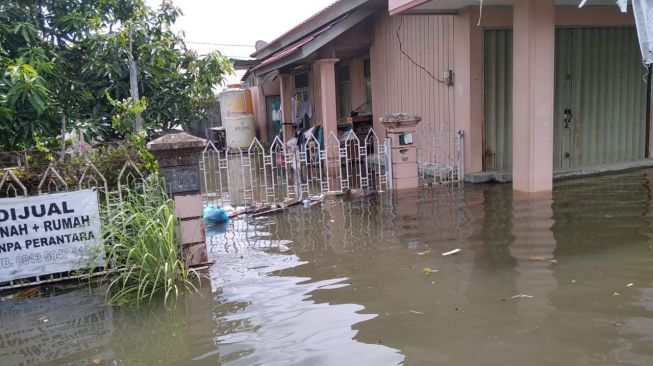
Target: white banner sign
(47, 234)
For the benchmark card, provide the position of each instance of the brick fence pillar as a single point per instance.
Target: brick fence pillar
(178, 155)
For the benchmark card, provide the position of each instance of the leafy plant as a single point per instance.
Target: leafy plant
(145, 249)
(67, 60)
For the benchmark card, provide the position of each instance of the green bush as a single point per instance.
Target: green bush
(145, 249)
(109, 160)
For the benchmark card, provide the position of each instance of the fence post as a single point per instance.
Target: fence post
(461, 149)
(402, 131)
(178, 155)
(388, 161)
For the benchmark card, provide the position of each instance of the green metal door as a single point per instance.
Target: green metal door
(497, 95)
(600, 97)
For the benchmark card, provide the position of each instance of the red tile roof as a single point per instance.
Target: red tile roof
(289, 50)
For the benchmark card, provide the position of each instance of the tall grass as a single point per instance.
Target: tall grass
(145, 249)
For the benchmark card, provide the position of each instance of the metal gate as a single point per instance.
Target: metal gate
(497, 79)
(600, 98)
(440, 155)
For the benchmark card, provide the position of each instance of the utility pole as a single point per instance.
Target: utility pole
(133, 85)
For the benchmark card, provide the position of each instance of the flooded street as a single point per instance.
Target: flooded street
(554, 279)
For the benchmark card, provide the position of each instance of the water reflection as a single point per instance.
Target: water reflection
(73, 327)
(555, 279)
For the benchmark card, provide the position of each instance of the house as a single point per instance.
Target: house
(537, 86)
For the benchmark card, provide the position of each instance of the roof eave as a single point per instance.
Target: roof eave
(320, 41)
(329, 14)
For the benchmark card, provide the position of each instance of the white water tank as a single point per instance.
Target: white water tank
(235, 101)
(240, 130)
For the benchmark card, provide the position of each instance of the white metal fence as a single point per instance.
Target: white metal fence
(278, 173)
(440, 155)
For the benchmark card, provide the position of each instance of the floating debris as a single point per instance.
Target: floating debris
(25, 294)
(335, 193)
(528, 331)
(428, 270)
(616, 323)
(424, 252)
(361, 193)
(616, 294)
(518, 296)
(416, 312)
(283, 248)
(319, 197)
(451, 252)
(268, 212)
(537, 258)
(630, 285)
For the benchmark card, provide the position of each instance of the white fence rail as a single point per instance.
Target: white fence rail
(440, 155)
(278, 173)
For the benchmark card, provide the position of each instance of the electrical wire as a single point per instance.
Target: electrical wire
(221, 44)
(401, 49)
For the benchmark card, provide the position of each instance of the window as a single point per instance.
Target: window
(302, 93)
(343, 98)
(367, 81)
(301, 85)
(301, 81)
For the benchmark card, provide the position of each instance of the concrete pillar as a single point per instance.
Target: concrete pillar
(533, 90)
(286, 89)
(403, 134)
(258, 103)
(329, 117)
(178, 155)
(468, 78)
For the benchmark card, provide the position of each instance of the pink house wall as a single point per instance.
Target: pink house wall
(271, 87)
(398, 85)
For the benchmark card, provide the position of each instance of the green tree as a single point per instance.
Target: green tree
(67, 62)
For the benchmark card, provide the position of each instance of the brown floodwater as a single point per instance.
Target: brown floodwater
(564, 278)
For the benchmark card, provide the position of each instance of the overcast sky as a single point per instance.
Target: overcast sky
(239, 22)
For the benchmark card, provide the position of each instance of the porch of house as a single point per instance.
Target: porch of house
(545, 90)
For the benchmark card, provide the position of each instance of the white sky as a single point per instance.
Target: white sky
(239, 22)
